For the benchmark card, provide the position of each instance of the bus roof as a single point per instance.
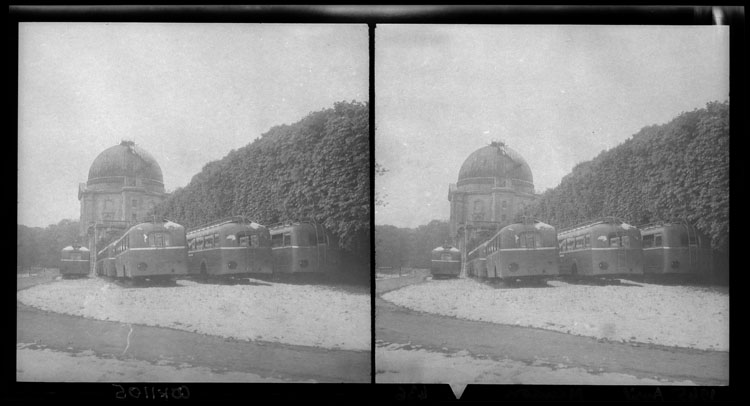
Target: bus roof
(601, 220)
(79, 248)
(446, 248)
(223, 221)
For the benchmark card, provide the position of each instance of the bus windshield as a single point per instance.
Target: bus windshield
(158, 239)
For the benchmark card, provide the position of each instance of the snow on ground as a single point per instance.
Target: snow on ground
(390, 275)
(46, 365)
(387, 276)
(291, 314)
(397, 365)
(680, 316)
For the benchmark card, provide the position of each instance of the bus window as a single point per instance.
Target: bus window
(75, 256)
(587, 241)
(625, 241)
(648, 241)
(254, 242)
(561, 243)
(243, 240)
(526, 240)
(199, 243)
(579, 242)
(158, 239)
(217, 241)
(208, 241)
(571, 243)
(657, 240)
(191, 244)
(287, 239)
(277, 240)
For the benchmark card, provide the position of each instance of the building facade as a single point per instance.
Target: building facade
(494, 187)
(124, 185)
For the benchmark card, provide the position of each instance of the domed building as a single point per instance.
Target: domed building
(494, 186)
(125, 183)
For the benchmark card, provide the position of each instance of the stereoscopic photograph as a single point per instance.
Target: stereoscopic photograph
(381, 197)
(193, 203)
(552, 204)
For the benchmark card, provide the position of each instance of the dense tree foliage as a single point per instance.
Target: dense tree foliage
(675, 171)
(406, 247)
(40, 247)
(317, 169)
(391, 246)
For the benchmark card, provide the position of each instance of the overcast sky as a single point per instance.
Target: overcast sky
(558, 95)
(186, 93)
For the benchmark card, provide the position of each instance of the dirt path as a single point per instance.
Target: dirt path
(72, 333)
(395, 324)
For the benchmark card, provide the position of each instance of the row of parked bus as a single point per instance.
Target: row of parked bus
(606, 247)
(231, 246)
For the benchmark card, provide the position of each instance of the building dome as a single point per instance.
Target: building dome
(495, 161)
(126, 165)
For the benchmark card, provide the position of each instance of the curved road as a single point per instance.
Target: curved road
(298, 363)
(395, 324)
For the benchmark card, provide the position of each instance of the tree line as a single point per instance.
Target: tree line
(40, 247)
(315, 169)
(407, 247)
(671, 172)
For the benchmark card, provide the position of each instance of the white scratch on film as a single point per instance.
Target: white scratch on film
(129, 333)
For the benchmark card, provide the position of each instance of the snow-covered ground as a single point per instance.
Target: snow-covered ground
(392, 274)
(292, 314)
(47, 365)
(681, 316)
(397, 365)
